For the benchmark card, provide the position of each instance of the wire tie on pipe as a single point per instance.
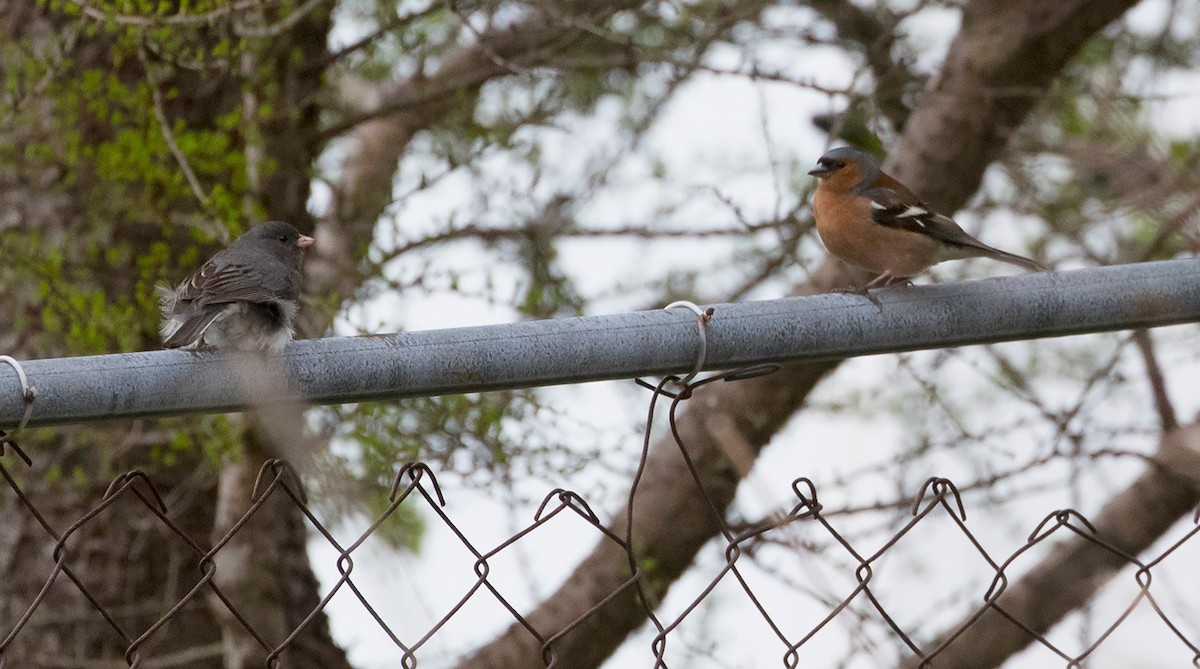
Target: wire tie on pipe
(28, 392)
(703, 316)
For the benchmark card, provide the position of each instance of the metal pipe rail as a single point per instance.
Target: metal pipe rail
(592, 348)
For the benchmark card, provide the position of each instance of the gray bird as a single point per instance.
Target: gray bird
(243, 299)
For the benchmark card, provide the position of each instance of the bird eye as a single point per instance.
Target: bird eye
(838, 164)
(283, 238)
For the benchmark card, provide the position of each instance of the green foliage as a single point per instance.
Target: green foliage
(217, 437)
(547, 290)
(100, 131)
(480, 438)
(1122, 167)
(469, 433)
(404, 528)
(484, 439)
(113, 214)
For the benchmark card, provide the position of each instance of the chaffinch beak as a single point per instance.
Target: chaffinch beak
(820, 171)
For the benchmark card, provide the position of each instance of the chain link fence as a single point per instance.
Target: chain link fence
(416, 484)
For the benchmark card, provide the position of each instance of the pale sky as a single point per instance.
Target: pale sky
(717, 132)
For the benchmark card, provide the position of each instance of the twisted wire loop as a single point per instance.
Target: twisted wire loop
(703, 316)
(28, 395)
(938, 500)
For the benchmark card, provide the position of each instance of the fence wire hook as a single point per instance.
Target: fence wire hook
(703, 316)
(28, 392)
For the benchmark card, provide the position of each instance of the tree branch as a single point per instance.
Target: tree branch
(1076, 569)
(1004, 53)
(949, 140)
(1158, 383)
(876, 37)
(377, 138)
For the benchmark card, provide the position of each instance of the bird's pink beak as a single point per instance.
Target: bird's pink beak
(305, 241)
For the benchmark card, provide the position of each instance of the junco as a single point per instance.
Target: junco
(243, 299)
(870, 220)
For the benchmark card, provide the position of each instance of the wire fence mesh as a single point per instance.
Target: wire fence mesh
(416, 484)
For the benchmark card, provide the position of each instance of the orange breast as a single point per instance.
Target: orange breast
(850, 234)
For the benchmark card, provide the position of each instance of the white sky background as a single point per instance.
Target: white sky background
(712, 134)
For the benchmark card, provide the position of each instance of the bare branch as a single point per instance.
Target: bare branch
(204, 18)
(962, 123)
(946, 145)
(378, 137)
(1158, 384)
(1076, 569)
(876, 36)
(168, 135)
(394, 24)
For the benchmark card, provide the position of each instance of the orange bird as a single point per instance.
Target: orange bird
(870, 220)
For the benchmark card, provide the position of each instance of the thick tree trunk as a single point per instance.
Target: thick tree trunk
(997, 69)
(134, 566)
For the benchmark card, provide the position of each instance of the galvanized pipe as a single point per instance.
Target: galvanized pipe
(593, 348)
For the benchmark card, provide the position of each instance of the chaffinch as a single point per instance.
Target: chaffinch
(870, 220)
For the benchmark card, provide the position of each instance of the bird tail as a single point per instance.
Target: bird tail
(969, 247)
(1012, 259)
(183, 330)
(956, 243)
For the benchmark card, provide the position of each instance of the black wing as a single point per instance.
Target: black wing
(888, 208)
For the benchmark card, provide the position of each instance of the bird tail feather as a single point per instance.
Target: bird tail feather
(184, 331)
(969, 247)
(1013, 259)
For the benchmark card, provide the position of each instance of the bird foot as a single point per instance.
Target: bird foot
(889, 280)
(200, 347)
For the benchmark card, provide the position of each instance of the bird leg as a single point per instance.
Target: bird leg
(201, 347)
(887, 279)
(881, 281)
